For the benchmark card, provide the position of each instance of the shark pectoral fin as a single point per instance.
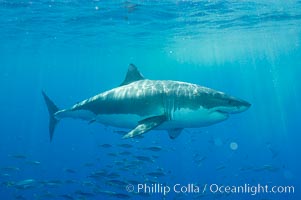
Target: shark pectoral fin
(174, 133)
(146, 125)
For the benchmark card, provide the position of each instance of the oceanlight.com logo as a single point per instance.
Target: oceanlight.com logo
(208, 188)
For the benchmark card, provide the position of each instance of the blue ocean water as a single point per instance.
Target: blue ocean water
(76, 49)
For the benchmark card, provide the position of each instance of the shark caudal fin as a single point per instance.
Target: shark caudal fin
(52, 109)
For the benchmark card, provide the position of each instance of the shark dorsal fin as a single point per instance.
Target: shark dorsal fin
(132, 75)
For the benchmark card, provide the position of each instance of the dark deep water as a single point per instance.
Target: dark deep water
(76, 49)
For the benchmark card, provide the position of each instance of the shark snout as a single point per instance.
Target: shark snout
(231, 105)
(244, 105)
(238, 105)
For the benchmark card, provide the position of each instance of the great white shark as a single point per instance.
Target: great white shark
(141, 105)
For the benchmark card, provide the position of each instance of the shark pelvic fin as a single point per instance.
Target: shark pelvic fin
(174, 133)
(132, 75)
(146, 125)
(52, 109)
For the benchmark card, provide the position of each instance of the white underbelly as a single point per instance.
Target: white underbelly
(182, 118)
(120, 120)
(188, 118)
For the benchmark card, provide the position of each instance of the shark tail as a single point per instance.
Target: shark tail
(52, 109)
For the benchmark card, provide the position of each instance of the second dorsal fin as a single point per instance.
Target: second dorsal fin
(132, 75)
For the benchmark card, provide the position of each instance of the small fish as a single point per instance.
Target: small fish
(71, 171)
(172, 149)
(121, 196)
(201, 159)
(156, 174)
(105, 192)
(246, 168)
(18, 156)
(86, 194)
(112, 175)
(221, 167)
(144, 194)
(70, 181)
(136, 162)
(117, 162)
(95, 176)
(151, 181)
(87, 183)
(20, 197)
(130, 7)
(125, 145)
(110, 166)
(116, 183)
(89, 164)
(199, 196)
(25, 184)
(10, 169)
(5, 175)
(272, 150)
(154, 148)
(144, 158)
(112, 154)
(134, 182)
(105, 145)
(46, 195)
(8, 183)
(33, 162)
(121, 132)
(125, 153)
(55, 181)
(130, 167)
(52, 183)
(66, 196)
(267, 168)
(196, 155)
(98, 174)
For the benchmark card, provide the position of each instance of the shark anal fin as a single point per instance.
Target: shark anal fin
(132, 75)
(174, 133)
(146, 125)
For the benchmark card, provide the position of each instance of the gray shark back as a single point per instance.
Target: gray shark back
(148, 97)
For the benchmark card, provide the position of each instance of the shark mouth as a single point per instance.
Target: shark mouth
(225, 113)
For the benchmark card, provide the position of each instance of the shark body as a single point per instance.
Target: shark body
(141, 105)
